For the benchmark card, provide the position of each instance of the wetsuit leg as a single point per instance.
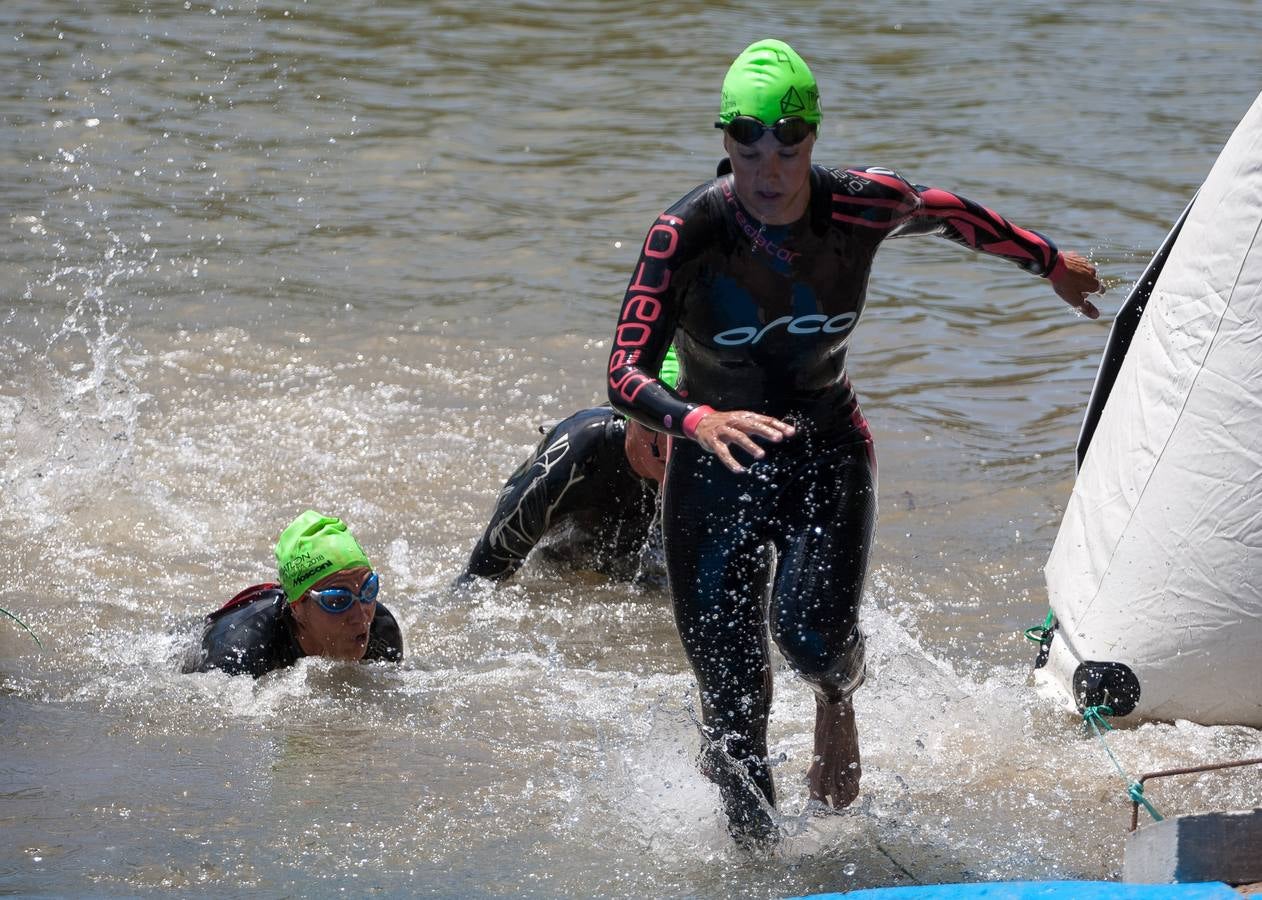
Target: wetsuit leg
(719, 571)
(822, 529)
(814, 501)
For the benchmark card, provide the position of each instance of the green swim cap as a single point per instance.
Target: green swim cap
(769, 81)
(314, 547)
(668, 374)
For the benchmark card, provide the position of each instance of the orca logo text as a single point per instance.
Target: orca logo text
(812, 324)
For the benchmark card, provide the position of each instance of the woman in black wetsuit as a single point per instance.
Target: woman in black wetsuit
(592, 482)
(759, 278)
(324, 605)
(580, 483)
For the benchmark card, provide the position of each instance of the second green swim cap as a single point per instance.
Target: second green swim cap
(312, 547)
(769, 81)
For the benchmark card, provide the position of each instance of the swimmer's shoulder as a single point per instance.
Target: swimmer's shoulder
(871, 196)
(246, 636)
(385, 638)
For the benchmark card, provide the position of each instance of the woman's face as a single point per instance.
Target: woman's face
(772, 181)
(341, 635)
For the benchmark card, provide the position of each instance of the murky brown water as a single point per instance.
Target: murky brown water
(262, 256)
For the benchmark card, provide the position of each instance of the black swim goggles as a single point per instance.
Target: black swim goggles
(339, 600)
(790, 131)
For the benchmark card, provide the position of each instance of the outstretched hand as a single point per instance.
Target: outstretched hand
(1073, 279)
(719, 431)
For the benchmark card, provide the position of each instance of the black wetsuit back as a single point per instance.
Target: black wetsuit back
(578, 486)
(256, 637)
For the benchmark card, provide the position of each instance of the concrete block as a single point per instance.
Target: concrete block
(1216, 846)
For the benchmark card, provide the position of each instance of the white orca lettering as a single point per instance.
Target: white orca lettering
(808, 324)
(840, 324)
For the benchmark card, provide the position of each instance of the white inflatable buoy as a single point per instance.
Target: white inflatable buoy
(1155, 578)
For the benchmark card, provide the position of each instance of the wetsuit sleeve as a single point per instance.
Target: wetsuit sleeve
(878, 198)
(251, 639)
(646, 326)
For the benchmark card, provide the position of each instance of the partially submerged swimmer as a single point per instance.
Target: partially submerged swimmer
(590, 489)
(325, 605)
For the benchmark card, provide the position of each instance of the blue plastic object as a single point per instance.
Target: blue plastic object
(1042, 890)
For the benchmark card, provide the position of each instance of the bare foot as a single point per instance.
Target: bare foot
(833, 777)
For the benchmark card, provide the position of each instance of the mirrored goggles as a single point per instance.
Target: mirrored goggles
(339, 600)
(790, 130)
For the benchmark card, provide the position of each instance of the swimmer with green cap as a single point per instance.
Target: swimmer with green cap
(313, 548)
(325, 605)
(769, 82)
(759, 277)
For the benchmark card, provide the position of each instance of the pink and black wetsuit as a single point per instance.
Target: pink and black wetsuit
(761, 316)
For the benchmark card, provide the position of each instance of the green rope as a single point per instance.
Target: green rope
(1040, 633)
(1093, 719)
(24, 625)
(1136, 793)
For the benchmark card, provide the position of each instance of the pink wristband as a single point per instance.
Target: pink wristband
(689, 424)
(1058, 268)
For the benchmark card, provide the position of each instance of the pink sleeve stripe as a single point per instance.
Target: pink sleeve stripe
(954, 212)
(884, 224)
(1027, 235)
(1009, 249)
(689, 424)
(871, 201)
